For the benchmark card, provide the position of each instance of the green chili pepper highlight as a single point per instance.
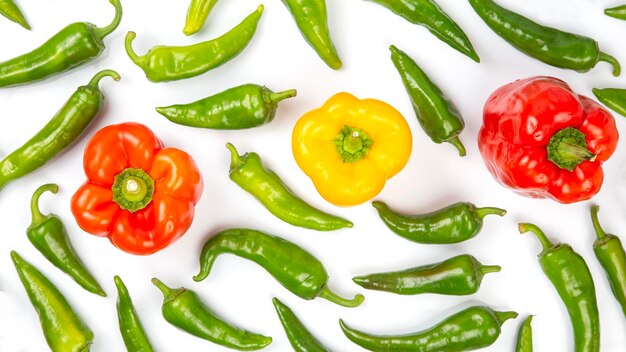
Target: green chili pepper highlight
(525, 336)
(133, 333)
(618, 12)
(300, 338)
(197, 14)
(614, 98)
(9, 9)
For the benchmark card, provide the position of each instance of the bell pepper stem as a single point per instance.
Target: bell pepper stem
(104, 31)
(504, 316)
(596, 223)
(456, 142)
(526, 227)
(276, 97)
(568, 148)
(36, 215)
(128, 45)
(100, 75)
(333, 297)
(482, 212)
(485, 269)
(617, 69)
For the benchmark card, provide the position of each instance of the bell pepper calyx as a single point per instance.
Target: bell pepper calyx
(352, 144)
(568, 148)
(133, 189)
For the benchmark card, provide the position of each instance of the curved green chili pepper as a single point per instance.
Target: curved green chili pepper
(610, 253)
(197, 14)
(62, 327)
(618, 12)
(571, 278)
(460, 275)
(60, 132)
(549, 45)
(312, 20)
(48, 234)
(248, 172)
(614, 98)
(292, 266)
(72, 46)
(9, 10)
(472, 328)
(453, 224)
(132, 331)
(169, 63)
(186, 311)
(244, 106)
(437, 115)
(300, 338)
(525, 336)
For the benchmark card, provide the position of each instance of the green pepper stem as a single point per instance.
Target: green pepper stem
(100, 75)
(331, 296)
(459, 145)
(617, 68)
(235, 159)
(504, 316)
(276, 97)
(482, 212)
(104, 31)
(526, 227)
(596, 223)
(128, 45)
(167, 292)
(485, 269)
(36, 215)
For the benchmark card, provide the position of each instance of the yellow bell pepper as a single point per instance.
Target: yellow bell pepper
(351, 147)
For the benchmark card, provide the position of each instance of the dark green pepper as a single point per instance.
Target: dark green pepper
(9, 10)
(48, 234)
(618, 12)
(186, 311)
(300, 338)
(525, 336)
(614, 98)
(453, 224)
(245, 106)
(197, 14)
(132, 331)
(472, 328)
(292, 266)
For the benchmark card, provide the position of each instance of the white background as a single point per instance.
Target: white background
(278, 57)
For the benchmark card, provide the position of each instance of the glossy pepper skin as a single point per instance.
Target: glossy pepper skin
(525, 336)
(48, 234)
(9, 9)
(138, 193)
(185, 310)
(170, 63)
(294, 268)
(546, 44)
(74, 45)
(613, 98)
(460, 275)
(249, 173)
(133, 334)
(454, 223)
(542, 140)
(62, 327)
(245, 106)
(571, 278)
(300, 338)
(618, 12)
(472, 328)
(197, 14)
(59, 133)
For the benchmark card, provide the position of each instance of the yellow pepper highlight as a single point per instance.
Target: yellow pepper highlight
(350, 147)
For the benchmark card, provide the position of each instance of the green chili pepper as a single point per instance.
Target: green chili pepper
(62, 327)
(300, 338)
(549, 45)
(525, 336)
(618, 12)
(472, 328)
(48, 234)
(292, 266)
(132, 331)
(437, 115)
(312, 20)
(571, 278)
(186, 311)
(169, 63)
(611, 255)
(614, 98)
(9, 10)
(428, 14)
(72, 46)
(197, 14)
(453, 224)
(248, 172)
(460, 275)
(245, 106)
(60, 132)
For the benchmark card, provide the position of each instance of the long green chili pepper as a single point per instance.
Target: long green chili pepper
(610, 253)
(48, 234)
(453, 224)
(9, 9)
(614, 98)
(472, 328)
(62, 327)
(248, 172)
(460, 275)
(525, 336)
(132, 331)
(244, 106)
(300, 338)
(618, 12)
(428, 14)
(312, 20)
(60, 132)
(186, 311)
(571, 278)
(72, 46)
(292, 266)
(169, 63)
(437, 115)
(546, 44)
(197, 14)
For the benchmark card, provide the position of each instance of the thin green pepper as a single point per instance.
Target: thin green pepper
(571, 278)
(74, 45)
(300, 338)
(9, 9)
(186, 311)
(197, 14)
(60, 132)
(244, 106)
(472, 328)
(48, 234)
(453, 224)
(248, 172)
(437, 115)
(292, 266)
(614, 98)
(610, 253)
(618, 12)
(169, 63)
(546, 44)
(525, 336)
(62, 327)
(460, 275)
(133, 334)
